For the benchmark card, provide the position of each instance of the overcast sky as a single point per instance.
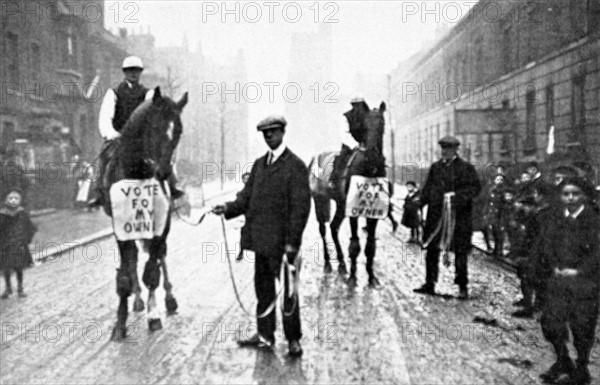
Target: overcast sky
(369, 37)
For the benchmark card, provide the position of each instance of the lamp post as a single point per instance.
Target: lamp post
(392, 140)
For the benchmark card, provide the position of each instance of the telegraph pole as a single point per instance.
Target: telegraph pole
(222, 110)
(392, 140)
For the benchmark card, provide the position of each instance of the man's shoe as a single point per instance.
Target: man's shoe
(581, 375)
(463, 293)
(426, 289)
(523, 313)
(256, 341)
(557, 370)
(6, 293)
(295, 349)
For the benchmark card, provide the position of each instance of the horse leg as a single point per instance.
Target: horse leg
(370, 251)
(323, 232)
(138, 302)
(335, 225)
(323, 211)
(128, 251)
(353, 250)
(151, 279)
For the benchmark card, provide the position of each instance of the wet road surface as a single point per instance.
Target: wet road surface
(60, 333)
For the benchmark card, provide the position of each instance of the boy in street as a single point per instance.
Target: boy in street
(569, 259)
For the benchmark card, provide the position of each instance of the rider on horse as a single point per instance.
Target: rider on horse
(117, 106)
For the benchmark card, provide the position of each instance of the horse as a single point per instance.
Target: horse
(144, 150)
(366, 160)
(326, 169)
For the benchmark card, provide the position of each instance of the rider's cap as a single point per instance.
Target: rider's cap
(449, 141)
(132, 62)
(271, 122)
(358, 99)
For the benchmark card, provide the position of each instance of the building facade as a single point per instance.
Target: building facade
(505, 85)
(57, 59)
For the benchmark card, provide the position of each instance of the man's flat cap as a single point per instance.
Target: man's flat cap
(271, 122)
(449, 141)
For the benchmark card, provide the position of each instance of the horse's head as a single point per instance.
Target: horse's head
(373, 126)
(151, 135)
(368, 125)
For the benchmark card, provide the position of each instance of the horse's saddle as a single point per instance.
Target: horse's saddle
(322, 178)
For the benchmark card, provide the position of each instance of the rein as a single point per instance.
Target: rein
(293, 283)
(446, 226)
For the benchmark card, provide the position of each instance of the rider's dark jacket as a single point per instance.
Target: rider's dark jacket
(128, 99)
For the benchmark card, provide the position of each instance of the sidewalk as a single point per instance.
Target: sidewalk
(61, 230)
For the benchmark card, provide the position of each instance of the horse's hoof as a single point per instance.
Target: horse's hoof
(119, 334)
(171, 305)
(351, 281)
(374, 282)
(138, 305)
(342, 269)
(327, 268)
(154, 324)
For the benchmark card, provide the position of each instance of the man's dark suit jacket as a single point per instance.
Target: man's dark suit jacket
(461, 178)
(276, 202)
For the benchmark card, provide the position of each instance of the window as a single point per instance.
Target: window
(73, 52)
(35, 61)
(578, 109)
(593, 16)
(7, 135)
(63, 49)
(12, 57)
(529, 35)
(505, 144)
(530, 143)
(478, 59)
(549, 107)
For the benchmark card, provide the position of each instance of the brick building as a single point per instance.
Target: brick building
(57, 60)
(502, 81)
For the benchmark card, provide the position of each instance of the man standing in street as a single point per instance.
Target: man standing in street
(276, 203)
(451, 185)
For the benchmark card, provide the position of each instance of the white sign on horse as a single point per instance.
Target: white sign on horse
(368, 197)
(140, 209)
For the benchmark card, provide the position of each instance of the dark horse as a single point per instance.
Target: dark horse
(330, 176)
(145, 150)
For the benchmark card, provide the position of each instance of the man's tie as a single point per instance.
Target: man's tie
(270, 158)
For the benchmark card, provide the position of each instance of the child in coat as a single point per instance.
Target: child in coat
(411, 217)
(16, 233)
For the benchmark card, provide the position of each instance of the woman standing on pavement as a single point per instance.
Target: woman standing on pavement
(16, 233)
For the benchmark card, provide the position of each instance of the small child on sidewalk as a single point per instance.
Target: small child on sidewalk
(16, 233)
(412, 217)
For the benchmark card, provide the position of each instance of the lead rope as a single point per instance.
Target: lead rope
(279, 296)
(446, 225)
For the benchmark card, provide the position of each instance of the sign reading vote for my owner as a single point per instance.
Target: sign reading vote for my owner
(368, 197)
(140, 209)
